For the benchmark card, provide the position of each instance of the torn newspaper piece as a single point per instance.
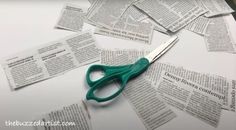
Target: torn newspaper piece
(218, 84)
(150, 108)
(71, 18)
(192, 98)
(72, 117)
(199, 25)
(171, 14)
(215, 7)
(106, 13)
(50, 60)
(218, 36)
(130, 29)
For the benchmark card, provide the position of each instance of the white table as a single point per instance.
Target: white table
(25, 24)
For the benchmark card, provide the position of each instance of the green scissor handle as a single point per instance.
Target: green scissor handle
(122, 73)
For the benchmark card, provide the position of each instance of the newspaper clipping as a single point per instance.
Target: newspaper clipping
(217, 84)
(215, 7)
(106, 13)
(150, 108)
(199, 25)
(194, 99)
(218, 36)
(71, 18)
(76, 114)
(130, 29)
(51, 60)
(179, 12)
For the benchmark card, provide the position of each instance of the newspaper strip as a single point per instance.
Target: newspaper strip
(127, 28)
(218, 36)
(72, 117)
(180, 13)
(215, 7)
(71, 18)
(199, 25)
(190, 97)
(106, 13)
(218, 84)
(150, 108)
(137, 31)
(50, 60)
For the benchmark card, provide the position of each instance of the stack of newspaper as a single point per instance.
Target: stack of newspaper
(136, 19)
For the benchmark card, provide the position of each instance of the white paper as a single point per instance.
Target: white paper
(199, 25)
(71, 18)
(76, 113)
(50, 60)
(192, 98)
(171, 14)
(215, 7)
(106, 13)
(218, 36)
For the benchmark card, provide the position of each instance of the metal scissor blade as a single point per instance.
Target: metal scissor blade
(162, 49)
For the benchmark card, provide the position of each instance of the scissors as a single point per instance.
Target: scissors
(123, 73)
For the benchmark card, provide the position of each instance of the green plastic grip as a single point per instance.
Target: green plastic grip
(122, 73)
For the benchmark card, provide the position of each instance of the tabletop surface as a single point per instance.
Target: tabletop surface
(27, 24)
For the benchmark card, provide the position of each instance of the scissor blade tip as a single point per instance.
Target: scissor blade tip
(173, 40)
(161, 50)
(175, 37)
